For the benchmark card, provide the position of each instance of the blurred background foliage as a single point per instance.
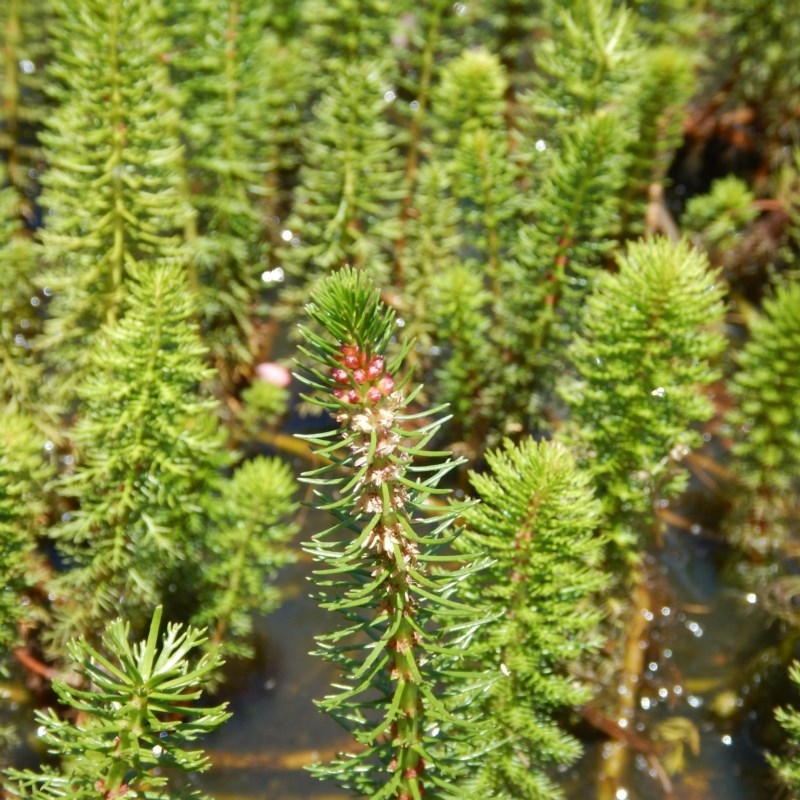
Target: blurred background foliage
(585, 214)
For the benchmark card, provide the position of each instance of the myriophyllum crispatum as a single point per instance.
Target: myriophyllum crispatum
(765, 423)
(538, 523)
(381, 562)
(135, 719)
(644, 363)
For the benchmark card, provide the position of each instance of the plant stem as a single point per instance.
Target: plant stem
(632, 668)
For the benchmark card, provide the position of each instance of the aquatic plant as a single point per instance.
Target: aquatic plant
(787, 765)
(148, 500)
(765, 425)
(383, 565)
(537, 522)
(111, 193)
(487, 163)
(136, 718)
(650, 339)
(217, 63)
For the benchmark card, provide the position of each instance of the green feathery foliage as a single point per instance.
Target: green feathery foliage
(536, 522)
(425, 39)
(285, 80)
(574, 212)
(458, 305)
(350, 32)
(469, 124)
(643, 360)
(671, 22)
(585, 63)
(790, 188)
(483, 182)
(665, 86)
(469, 96)
(432, 243)
(149, 455)
(788, 766)
(23, 474)
(244, 550)
(381, 564)
(765, 422)
(719, 218)
(509, 28)
(219, 67)
(19, 372)
(111, 187)
(345, 209)
(469, 106)
(136, 719)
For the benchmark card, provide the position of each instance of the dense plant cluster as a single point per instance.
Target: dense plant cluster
(542, 259)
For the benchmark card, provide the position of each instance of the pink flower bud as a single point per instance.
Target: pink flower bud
(386, 384)
(340, 376)
(359, 376)
(351, 361)
(273, 373)
(340, 394)
(373, 394)
(375, 367)
(353, 396)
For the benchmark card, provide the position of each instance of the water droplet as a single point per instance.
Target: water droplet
(47, 292)
(751, 598)
(27, 66)
(727, 740)
(621, 794)
(659, 392)
(275, 275)
(414, 105)
(695, 529)
(694, 702)
(389, 96)
(696, 630)
(663, 693)
(645, 703)
(541, 146)
(286, 235)
(665, 611)
(652, 666)
(35, 301)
